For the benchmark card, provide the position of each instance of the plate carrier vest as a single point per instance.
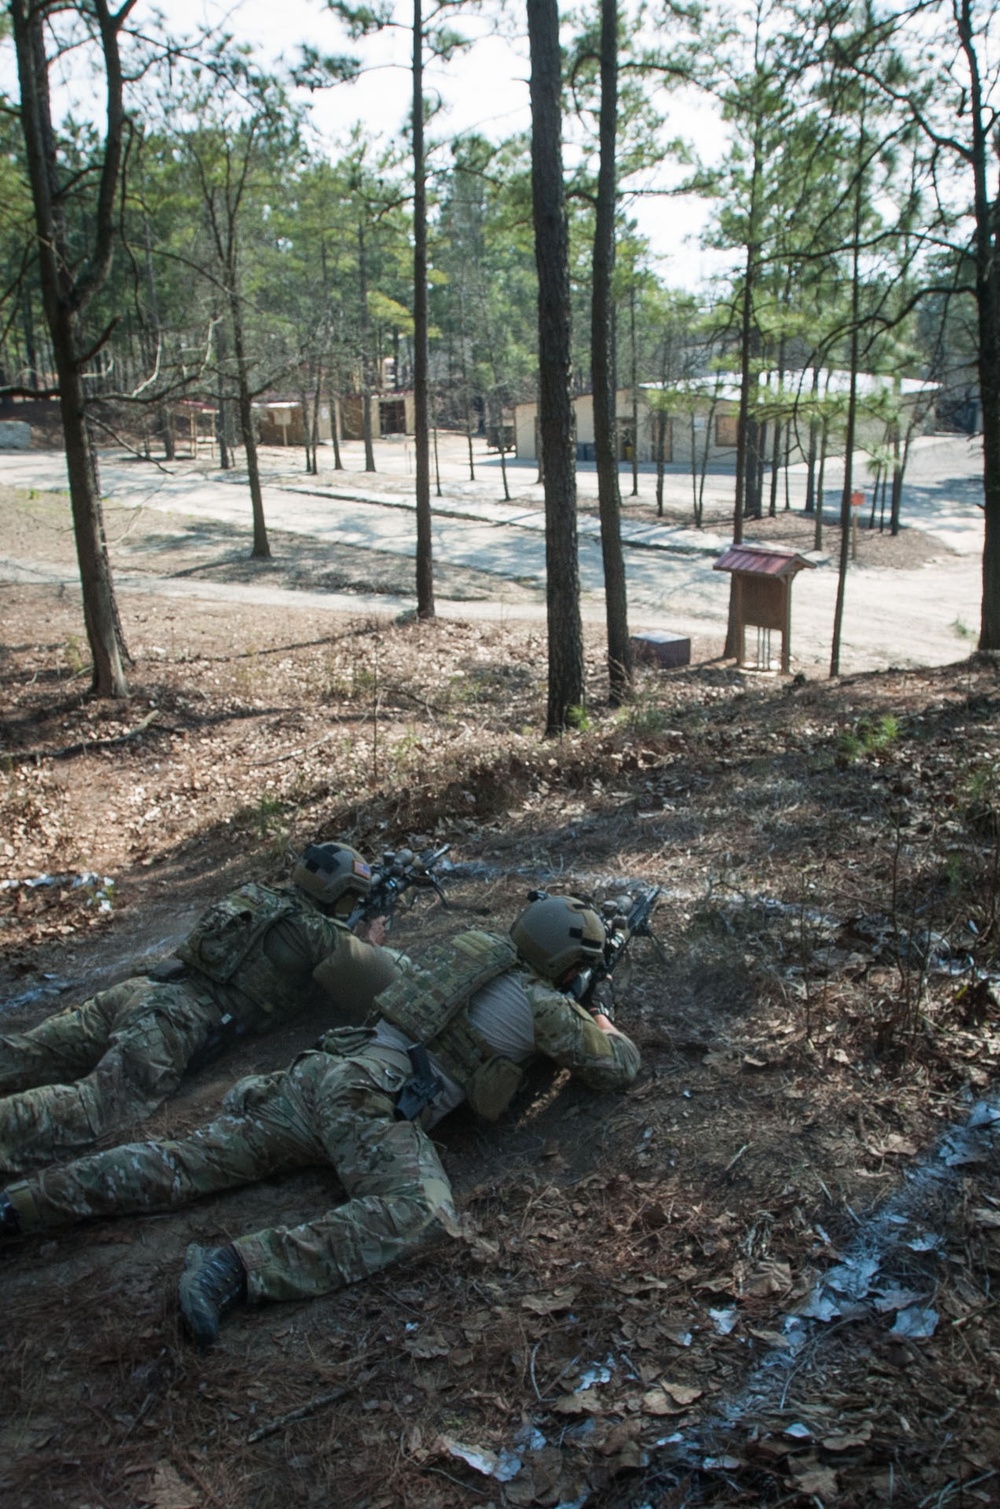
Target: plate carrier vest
(226, 942)
(427, 1002)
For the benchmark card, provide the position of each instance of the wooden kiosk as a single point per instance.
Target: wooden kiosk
(762, 597)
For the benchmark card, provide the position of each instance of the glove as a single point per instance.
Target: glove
(603, 999)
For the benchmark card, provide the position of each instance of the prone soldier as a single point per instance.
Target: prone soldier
(254, 960)
(459, 1025)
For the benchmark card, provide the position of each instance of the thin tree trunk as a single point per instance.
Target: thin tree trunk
(261, 548)
(810, 502)
(317, 398)
(987, 235)
(602, 360)
(824, 435)
(565, 629)
(421, 389)
(852, 406)
(635, 389)
(503, 453)
(331, 398)
(67, 285)
(772, 507)
(307, 428)
(222, 419)
(366, 335)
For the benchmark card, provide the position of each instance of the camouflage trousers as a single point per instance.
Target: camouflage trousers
(326, 1109)
(96, 1068)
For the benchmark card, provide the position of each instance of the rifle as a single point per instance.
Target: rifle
(398, 870)
(624, 919)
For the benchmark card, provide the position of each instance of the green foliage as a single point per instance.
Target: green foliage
(75, 656)
(645, 719)
(268, 816)
(868, 737)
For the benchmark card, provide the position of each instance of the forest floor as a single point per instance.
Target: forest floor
(763, 1275)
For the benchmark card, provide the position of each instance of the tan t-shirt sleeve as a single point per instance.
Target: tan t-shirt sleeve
(353, 974)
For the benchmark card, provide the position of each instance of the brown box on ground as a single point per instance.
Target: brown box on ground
(660, 649)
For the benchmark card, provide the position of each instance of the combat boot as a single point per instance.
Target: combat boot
(10, 1217)
(213, 1281)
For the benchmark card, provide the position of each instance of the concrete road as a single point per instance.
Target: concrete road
(892, 617)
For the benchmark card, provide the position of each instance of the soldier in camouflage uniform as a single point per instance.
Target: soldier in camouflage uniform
(457, 1026)
(254, 960)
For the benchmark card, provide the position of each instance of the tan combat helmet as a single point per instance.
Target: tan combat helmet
(335, 875)
(558, 933)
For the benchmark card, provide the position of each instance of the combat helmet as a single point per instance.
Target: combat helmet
(558, 933)
(333, 873)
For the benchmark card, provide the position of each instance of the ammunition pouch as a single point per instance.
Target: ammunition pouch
(166, 971)
(493, 1086)
(343, 1041)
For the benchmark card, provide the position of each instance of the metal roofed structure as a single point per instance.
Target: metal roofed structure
(762, 586)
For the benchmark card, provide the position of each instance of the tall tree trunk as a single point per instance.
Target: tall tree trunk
(810, 502)
(316, 400)
(222, 418)
(634, 373)
(852, 405)
(987, 248)
(331, 398)
(307, 427)
(555, 407)
(743, 417)
(898, 467)
(772, 506)
(100, 610)
(421, 407)
(67, 285)
(743, 450)
(366, 335)
(602, 361)
(261, 548)
(756, 444)
(502, 431)
(824, 438)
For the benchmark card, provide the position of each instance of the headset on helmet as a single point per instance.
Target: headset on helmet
(329, 872)
(557, 933)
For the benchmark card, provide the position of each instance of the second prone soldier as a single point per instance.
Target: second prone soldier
(257, 958)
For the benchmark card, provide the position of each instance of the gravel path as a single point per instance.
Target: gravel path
(492, 554)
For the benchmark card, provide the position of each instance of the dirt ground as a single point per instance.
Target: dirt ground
(758, 1277)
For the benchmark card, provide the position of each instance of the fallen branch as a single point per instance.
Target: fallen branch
(293, 754)
(35, 756)
(319, 1402)
(183, 1463)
